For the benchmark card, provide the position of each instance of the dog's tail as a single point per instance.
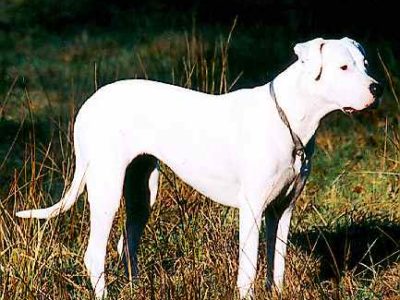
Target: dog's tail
(77, 186)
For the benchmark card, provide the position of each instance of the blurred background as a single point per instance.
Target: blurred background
(46, 32)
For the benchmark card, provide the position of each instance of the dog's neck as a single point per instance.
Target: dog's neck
(304, 111)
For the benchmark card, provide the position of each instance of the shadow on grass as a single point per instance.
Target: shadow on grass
(362, 248)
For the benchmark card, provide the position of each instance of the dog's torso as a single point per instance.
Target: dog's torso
(214, 143)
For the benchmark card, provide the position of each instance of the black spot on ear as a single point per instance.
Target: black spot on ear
(360, 48)
(320, 70)
(319, 75)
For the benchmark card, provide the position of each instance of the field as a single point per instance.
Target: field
(345, 234)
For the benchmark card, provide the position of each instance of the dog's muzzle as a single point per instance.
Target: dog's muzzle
(376, 90)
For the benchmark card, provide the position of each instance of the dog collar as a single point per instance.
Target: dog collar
(298, 149)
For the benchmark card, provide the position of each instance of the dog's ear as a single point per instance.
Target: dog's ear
(310, 55)
(354, 43)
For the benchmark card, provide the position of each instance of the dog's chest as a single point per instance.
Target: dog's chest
(290, 179)
(288, 176)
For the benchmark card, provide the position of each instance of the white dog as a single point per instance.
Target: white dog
(243, 149)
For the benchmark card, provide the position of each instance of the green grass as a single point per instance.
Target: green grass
(345, 233)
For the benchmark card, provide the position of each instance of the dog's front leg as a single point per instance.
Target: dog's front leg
(272, 216)
(282, 216)
(278, 218)
(281, 247)
(249, 224)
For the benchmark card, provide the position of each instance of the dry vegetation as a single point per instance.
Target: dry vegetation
(345, 238)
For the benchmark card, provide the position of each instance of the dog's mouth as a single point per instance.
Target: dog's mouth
(348, 110)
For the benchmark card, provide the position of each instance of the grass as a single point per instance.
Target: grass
(345, 233)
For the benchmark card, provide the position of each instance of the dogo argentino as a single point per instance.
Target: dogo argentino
(243, 149)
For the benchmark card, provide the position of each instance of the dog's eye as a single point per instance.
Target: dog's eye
(344, 67)
(365, 62)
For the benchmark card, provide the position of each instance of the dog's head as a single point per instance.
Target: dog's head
(336, 72)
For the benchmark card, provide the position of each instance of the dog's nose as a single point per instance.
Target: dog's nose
(376, 90)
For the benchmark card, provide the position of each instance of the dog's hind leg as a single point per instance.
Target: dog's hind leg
(140, 191)
(104, 184)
